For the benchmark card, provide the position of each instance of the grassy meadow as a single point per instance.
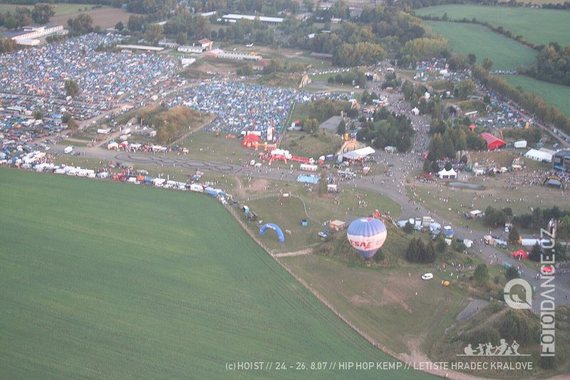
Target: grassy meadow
(60, 9)
(505, 53)
(106, 280)
(538, 26)
(554, 94)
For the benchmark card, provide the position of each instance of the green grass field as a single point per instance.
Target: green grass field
(538, 26)
(466, 38)
(60, 9)
(393, 306)
(105, 280)
(554, 94)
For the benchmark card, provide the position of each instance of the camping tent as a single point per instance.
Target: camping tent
(251, 141)
(358, 154)
(447, 174)
(493, 142)
(542, 155)
(520, 254)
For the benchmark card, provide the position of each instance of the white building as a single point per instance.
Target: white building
(237, 56)
(191, 49)
(542, 155)
(31, 34)
(141, 47)
(263, 19)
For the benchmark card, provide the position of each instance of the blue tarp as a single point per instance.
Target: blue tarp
(308, 178)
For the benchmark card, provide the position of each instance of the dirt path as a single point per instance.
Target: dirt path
(302, 252)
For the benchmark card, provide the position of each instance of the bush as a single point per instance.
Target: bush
(512, 273)
(481, 274)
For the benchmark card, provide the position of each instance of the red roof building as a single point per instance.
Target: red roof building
(492, 141)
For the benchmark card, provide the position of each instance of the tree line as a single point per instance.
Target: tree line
(419, 252)
(552, 64)
(22, 16)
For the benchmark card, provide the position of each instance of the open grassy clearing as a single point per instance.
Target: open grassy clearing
(304, 144)
(538, 2)
(60, 9)
(554, 94)
(263, 197)
(505, 53)
(452, 203)
(115, 281)
(394, 306)
(203, 145)
(105, 17)
(538, 26)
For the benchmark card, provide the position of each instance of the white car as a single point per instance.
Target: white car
(427, 276)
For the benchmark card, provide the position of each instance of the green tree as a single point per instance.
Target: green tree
(494, 217)
(7, 45)
(41, 13)
(440, 245)
(471, 58)
(514, 236)
(487, 64)
(23, 16)
(413, 251)
(512, 273)
(535, 253)
(71, 88)
(135, 23)
(311, 125)
(436, 148)
(465, 88)
(154, 33)
(481, 274)
(448, 144)
(71, 123)
(341, 129)
(82, 24)
(120, 26)
(408, 228)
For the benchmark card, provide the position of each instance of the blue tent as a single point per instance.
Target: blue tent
(275, 228)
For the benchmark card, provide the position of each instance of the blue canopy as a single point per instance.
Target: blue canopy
(275, 228)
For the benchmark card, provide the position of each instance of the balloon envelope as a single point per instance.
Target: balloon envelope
(367, 235)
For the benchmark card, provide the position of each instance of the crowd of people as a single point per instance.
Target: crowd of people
(35, 78)
(244, 107)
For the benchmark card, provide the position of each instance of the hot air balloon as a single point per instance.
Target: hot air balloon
(366, 235)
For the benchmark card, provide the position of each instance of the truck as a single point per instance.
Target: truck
(68, 149)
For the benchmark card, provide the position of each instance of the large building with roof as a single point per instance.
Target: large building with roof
(30, 35)
(493, 142)
(263, 19)
(561, 160)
